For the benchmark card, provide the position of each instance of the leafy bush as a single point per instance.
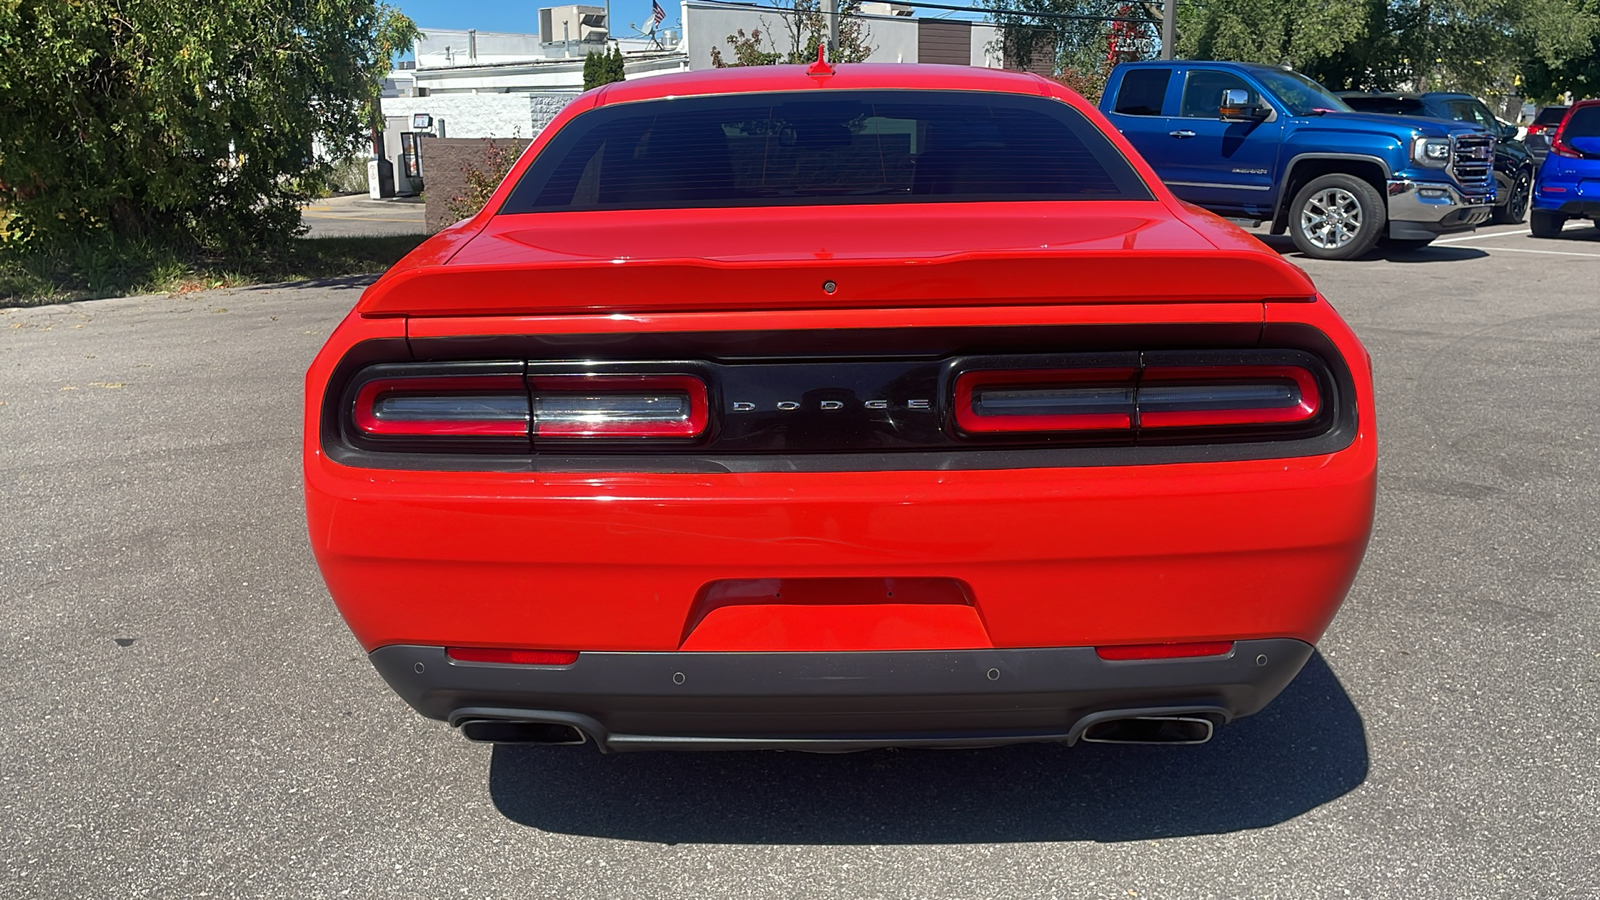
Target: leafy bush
(348, 176)
(181, 125)
(483, 179)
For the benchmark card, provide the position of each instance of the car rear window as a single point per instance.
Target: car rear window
(1391, 106)
(824, 148)
(1585, 123)
(1550, 115)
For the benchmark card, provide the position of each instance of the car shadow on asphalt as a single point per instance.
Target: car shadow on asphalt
(1307, 748)
(341, 282)
(1284, 246)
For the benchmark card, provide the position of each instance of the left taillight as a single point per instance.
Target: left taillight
(516, 407)
(442, 406)
(624, 407)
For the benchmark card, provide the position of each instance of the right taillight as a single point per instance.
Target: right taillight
(1152, 400)
(990, 401)
(1221, 396)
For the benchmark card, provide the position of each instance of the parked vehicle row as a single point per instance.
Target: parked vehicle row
(1569, 180)
(1513, 163)
(1264, 142)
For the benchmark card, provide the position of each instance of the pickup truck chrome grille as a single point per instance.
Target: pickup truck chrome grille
(1472, 165)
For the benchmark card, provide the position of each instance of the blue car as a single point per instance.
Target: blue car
(1569, 181)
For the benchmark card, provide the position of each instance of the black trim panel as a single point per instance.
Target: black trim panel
(898, 364)
(685, 700)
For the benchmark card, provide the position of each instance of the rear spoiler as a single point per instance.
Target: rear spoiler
(967, 279)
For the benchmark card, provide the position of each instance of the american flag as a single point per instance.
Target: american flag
(657, 14)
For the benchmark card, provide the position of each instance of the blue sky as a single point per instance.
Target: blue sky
(522, 15)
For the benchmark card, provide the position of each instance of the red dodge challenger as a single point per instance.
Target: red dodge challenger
(827, 408)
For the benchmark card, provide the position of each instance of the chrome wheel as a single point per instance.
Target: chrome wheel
(1331, 218)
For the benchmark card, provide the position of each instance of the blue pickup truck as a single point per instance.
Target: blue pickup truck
(1266, 143)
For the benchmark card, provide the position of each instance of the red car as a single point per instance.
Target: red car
(831, 408)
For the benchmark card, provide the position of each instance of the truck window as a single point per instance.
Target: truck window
(1142, 92)
(1472, 112)
(825, 148)
(1202, 93)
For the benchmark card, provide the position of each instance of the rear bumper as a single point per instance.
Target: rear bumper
(840, 701)
(1588, 209)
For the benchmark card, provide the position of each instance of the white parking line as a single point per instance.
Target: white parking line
(1546, 252)
(1478, 237)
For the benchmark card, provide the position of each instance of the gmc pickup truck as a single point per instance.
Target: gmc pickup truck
(1266, 143)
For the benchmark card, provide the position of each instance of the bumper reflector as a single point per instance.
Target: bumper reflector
(513, 657)
(1165, 651)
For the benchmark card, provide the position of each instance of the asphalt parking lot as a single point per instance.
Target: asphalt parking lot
(184, 714)
(357, 215)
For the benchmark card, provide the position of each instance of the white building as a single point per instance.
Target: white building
(482, 84)
(494, 84)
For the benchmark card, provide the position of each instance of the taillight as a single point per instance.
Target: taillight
(1184, 650)
(992, 402)
(1211, 396)
(513, 657)
(442, 406)
(618, 406)
(989, 401)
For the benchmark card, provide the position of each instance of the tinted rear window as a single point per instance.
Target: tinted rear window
(1142, 92)
(824, 148)
(1550, 115)
(1391, 106)
(1585, 123)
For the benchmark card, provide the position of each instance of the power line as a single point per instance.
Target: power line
(1143, 20)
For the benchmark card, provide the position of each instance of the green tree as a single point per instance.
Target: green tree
(602, 68)
(805, 27)
(197, 124)
(1073, 38)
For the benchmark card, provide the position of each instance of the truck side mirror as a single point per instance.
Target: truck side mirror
(1236, 107)
(1508, 132)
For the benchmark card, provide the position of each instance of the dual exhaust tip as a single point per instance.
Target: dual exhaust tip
(1130, 729)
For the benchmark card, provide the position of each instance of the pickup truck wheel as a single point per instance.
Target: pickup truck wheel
(1516, 208)
(1546, 224)
(1336, 217)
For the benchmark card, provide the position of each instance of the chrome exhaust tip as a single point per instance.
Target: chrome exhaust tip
(1150, 730)
(510, 731)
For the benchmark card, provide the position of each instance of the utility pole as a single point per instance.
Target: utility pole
(1169, 27)
(831, 8)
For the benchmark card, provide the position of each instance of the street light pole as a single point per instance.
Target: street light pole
(831, 7)
(1169, 27)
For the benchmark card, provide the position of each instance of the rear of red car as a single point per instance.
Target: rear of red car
(896, 406)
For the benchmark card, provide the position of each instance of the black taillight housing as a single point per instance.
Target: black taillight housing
(1148, 397)
(514, 407)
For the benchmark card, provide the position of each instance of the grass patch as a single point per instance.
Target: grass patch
(64, 274)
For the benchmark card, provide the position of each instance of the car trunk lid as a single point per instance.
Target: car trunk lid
(973, 254)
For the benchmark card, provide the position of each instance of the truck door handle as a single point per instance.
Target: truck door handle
(1180, 135)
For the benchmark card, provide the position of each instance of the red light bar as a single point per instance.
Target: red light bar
(1165, 651)
(513, 657)
(1199, 396)
(619, 406)
(1003, 400)
(443, 406)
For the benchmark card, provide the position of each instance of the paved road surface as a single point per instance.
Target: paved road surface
(184, 715)
(359, 215)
